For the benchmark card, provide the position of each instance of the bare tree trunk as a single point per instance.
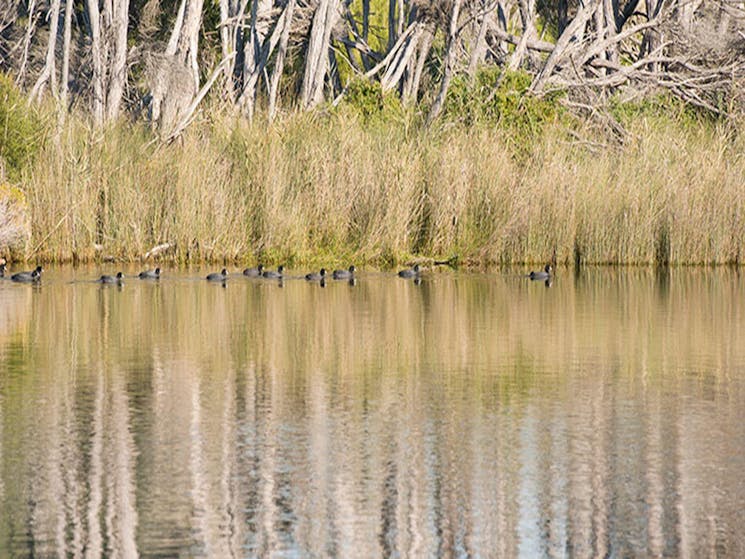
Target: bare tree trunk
(65, 78)
(686, 10)
(411, 91)
(405, 51)
(118, 66)
(527, 15)
(365, 20)
(478, 50)
(49, 73)
(316, 58)
(651, 38)
(255, 57)
(225, 39)
(574, 30)
(279, 63)
(562, 9)
(392, 27)
(188, 42)
(27, 42)
(447, 73)
(172, 45)
(94, 19)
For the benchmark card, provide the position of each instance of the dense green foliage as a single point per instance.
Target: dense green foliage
(495, 97)
(20, 129)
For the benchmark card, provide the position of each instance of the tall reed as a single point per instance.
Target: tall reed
(311, 188)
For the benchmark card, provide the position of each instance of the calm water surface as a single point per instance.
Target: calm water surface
(474, 415)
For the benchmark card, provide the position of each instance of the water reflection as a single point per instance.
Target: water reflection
(469, 415)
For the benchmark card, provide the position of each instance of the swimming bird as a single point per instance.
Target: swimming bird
(410, 272)
(271, 274)
(344, 274)
(544, 275)
(118, 279)
(254, 272)
(215, 276)
(28, 277)
(150, 274)
(316, 277)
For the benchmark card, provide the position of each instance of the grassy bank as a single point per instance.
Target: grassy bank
(340, 187)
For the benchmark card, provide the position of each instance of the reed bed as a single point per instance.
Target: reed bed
(313, 188)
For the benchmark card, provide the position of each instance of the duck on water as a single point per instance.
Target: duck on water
(150, 274)
(27, 277)
(541, 276)
(218, 276)
(118, 279)
(410, 272)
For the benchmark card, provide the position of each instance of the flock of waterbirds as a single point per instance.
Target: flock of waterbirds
(259, 272)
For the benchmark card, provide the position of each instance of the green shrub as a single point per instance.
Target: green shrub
(20, 129)
(500, 98)
(366, 99)
(661, 106)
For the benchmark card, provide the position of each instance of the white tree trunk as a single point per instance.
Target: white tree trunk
(188, 41)
(118, 63)
(254, 53)
(448, 64)
(27, 42)
(411, 91)
(316, 57)
(279, 63)
(94, 18)
(527, 15)
(49, 73)
(478, 49)
(172, 45)
(65, 77)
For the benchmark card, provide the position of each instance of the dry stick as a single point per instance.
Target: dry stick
(195, 103)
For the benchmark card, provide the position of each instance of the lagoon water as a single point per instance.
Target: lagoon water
(474, 415)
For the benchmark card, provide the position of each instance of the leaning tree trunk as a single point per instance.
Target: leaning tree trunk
(448, 64)
(49, 73)
(279, 63)
(411, 89)
(255, 54)
(527, 16)
(478, 49)
(27, 42)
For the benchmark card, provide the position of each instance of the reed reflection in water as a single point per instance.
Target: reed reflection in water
(471, 415)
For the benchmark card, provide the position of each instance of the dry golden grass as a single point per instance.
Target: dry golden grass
(313, 188)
